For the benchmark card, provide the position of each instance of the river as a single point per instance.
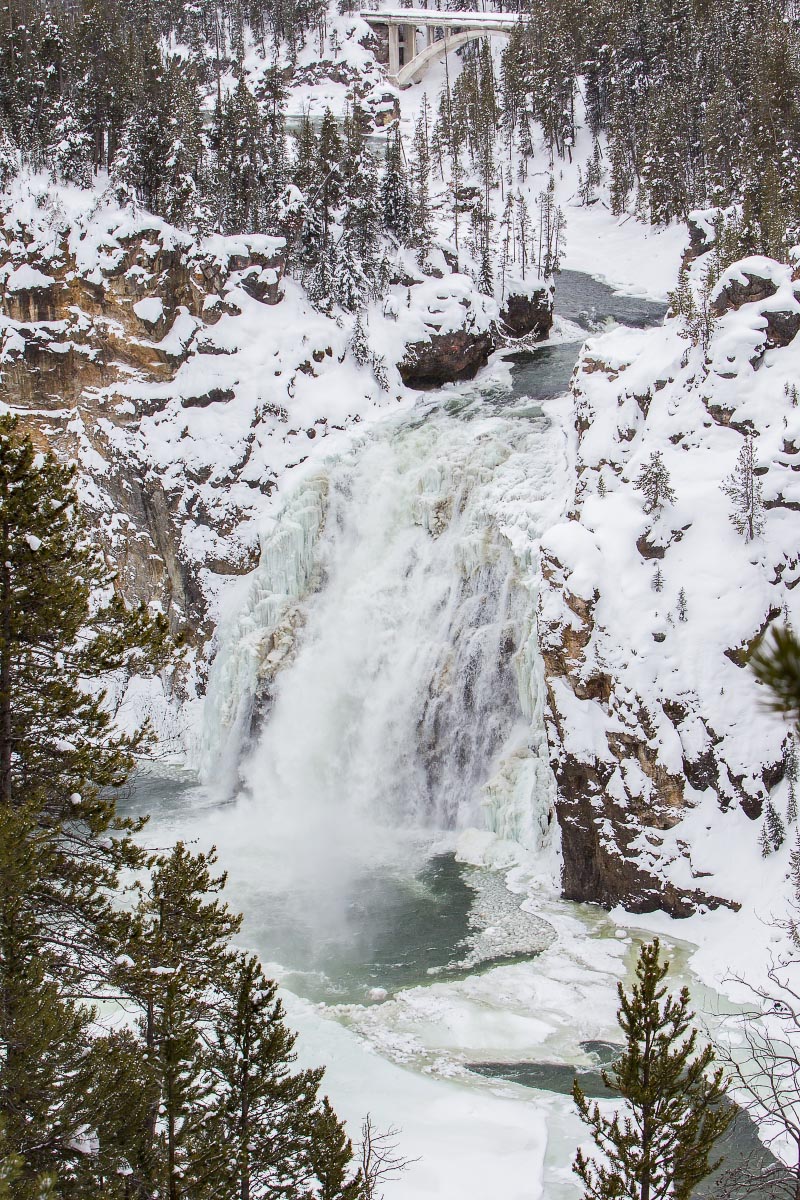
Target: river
(374, 745)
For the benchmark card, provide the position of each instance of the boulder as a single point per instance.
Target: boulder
(445, 358)
(747, 285)
(782, 328)
(532, 314)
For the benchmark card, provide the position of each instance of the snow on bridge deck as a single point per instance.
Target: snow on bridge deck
(441, 20)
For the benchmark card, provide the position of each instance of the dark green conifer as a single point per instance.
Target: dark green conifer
(60, 756)
(662, 1140)
(176, 955)
(331, 1158)
(259, 1124)
(45, 1065)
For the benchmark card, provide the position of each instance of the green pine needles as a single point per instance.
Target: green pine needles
(141, 1056)
(659, 1144)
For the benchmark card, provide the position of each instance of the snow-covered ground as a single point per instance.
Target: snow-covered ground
(306, 417)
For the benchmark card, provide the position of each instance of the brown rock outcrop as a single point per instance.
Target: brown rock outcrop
(445, 358)
(532, 315)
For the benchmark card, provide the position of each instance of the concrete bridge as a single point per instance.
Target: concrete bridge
(444, 32)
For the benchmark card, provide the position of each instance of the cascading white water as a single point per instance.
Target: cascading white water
(411, 697)
(256, 640)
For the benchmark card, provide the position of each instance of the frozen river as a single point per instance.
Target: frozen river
(376, 778)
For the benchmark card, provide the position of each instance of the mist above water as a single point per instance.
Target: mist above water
(402, 714)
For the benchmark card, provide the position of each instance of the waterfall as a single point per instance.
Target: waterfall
(253, 645)
(388, 642)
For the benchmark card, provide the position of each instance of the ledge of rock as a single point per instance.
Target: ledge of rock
(747, 283)
(445, 358)
(528, 314)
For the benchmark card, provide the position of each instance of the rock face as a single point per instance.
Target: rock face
(528, 315)
(463, 329)
(754, 281)
(750, 283)
(445, 358)
(94, 326)
(663, 753)
(601, 822)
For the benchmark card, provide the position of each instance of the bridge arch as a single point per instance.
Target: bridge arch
(418, 65)
(458, 27)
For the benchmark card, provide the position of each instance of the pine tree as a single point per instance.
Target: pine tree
(330, 1158)
(59, 753)
(177, 952)
(658, 580)
(682, 607)
(764, 841)
(361, 219)
(259, 1125)
(380, 372)
(246, 183)
(774, 832)
(743, 488)
(350, 284)
(777, 664)
(322, 281)
(396, 203)
(179, 197)
(70, 152)
(661, 1141)
(523, 231)
(45, 1066)
(9, 160)
(358, 346)
(421, 223)
(654, 482)
(329, 178)
(792, 768)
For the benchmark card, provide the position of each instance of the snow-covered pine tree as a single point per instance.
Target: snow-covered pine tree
(421, 219)
(70, 151)
(683, 608)
(396, 201)
(244, 164)
(350, 284)
(379, 370)
(328, 184)
(361, 219)
(658, 580)
(523, 232)
(358, 345)
(743, 488)
(774, 830)
(176, 953)
(305, 157)
(59, 752)
(46, 1067)
(791, 767)
(180, 196)
(321, 280)
(10, 160)
(654, 482)
(330, 1158)
(506, 242)
(270, 92)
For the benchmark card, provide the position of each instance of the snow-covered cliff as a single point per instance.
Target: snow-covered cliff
(664, 753)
